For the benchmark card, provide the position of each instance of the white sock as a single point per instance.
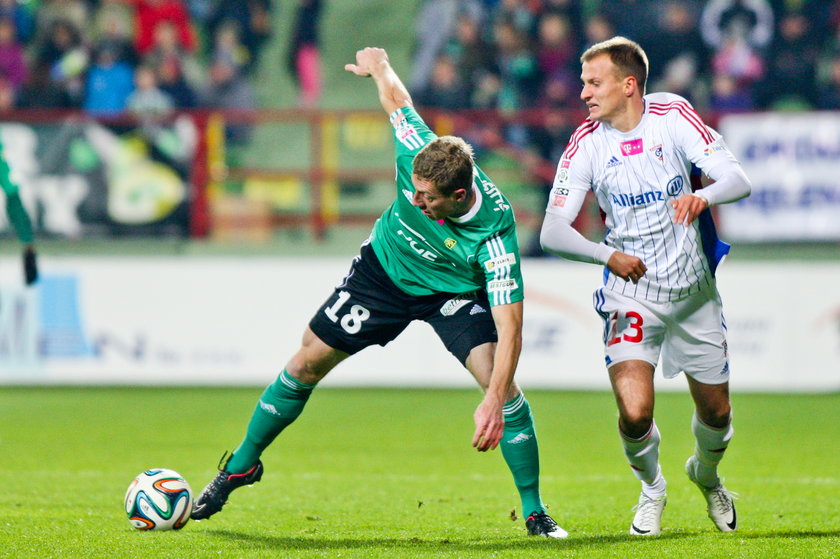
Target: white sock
(710, 446)
(657, 488)
(643, 456)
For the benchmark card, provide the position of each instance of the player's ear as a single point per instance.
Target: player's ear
(630, 86)
(460, 195)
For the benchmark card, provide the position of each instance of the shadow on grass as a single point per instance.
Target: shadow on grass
(420, 544)
(790, 534)
(280, 543)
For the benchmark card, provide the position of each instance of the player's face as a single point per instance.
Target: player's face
(434, 204)
(603, 89)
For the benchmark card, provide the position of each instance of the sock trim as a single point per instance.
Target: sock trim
(514, 405)
(293, 383)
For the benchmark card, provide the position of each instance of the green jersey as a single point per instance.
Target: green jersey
(478, 250)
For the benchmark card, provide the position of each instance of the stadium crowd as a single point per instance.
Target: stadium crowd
(143, 56)
(722, 55)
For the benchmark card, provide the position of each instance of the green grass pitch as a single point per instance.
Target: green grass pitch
(390, 473)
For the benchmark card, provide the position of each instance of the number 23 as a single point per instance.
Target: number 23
(635, 320)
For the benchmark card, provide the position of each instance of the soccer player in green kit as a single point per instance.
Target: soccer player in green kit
(444, 252)
(20, 221)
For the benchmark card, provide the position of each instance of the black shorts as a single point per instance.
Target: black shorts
(368, 308)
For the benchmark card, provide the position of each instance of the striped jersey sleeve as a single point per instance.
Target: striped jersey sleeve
(574, 173)
(410, 131)
(499, 259)
(702, 145)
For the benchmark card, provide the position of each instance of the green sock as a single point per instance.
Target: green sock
(519, 447)
(278, 407)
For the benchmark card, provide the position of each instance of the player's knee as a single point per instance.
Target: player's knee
(636, 422)
(718, 416)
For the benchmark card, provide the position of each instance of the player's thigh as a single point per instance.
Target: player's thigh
(366, 309)
(696, 340)
(465, 325)
(633, 329)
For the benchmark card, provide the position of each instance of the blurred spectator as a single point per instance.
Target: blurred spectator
(557, 56)
(172, 82)
(227, 46)
(434, 25)
(522, 14)
(151, 13)
(254, 19)
(113, 25)
(519, 78)
(42, 92)
(66, 58)
(148, 101)
(791, 65)
(304, 57)
(171, 62)
(474, 57)
(109, 83)
(517, 67)
(751, 20)
(7, 96)
(229, 90)
(74, 12)
(678, 56)
(828, 96)
(738, 60)
(727, 96)
(13, 67)
(598, 28)
(22, 18)
(446, 90)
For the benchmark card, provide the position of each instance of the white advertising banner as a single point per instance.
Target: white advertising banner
(792, 160)
(237, 321)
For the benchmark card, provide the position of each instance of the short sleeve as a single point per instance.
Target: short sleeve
(500, 263)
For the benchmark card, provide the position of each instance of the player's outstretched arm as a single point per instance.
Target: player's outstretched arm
(489, 421)
(373, 62)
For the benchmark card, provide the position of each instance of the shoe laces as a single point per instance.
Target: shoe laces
(647, 510)
(545, 521)
(723, 498)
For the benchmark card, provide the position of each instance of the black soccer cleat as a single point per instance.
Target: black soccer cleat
(540, 524)
(213, 497)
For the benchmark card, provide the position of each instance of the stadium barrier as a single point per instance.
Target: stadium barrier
(234, 321)
(244, 174)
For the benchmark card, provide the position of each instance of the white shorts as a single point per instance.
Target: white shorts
(690, 334)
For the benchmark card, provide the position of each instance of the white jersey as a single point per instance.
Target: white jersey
(635, 175)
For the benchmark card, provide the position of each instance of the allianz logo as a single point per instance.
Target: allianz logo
(643, 199)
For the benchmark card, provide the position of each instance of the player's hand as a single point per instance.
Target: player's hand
(366, 60)
(489, 424)
(30, 265)
(628, 268)
(688, 207)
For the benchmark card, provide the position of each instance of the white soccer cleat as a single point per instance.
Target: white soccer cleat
(648, 519)
(720, 501)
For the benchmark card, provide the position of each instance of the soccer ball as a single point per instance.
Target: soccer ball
(159, 499)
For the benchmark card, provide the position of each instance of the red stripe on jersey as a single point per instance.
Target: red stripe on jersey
(688, 113)
(587, 127)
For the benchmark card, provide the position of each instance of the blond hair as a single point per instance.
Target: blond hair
(628, 57)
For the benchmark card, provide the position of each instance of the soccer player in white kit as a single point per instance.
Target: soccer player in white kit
(638, 154)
